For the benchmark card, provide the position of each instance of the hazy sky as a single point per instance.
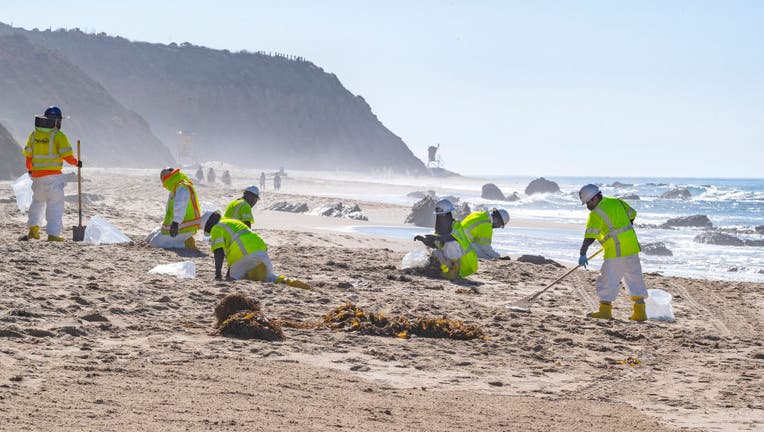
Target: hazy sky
(664, 88)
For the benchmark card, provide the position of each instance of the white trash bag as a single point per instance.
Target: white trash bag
(22, 188)
(658, 305)
(417, 258)
(100, 231)
(181, 270)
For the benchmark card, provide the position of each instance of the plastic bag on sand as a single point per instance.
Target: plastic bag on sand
(417, 258)
(100, 231)
(658, 305)
(182, 270)
(22, 188)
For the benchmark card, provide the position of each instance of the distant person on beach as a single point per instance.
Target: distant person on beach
(226, 179)
(211, 175)
(200, 175)
(241, 209)
(46, 150)
(262, 180)
(245, 251)
(182, 217)
(611, 222)
(451, 247)
(276, 182)
(479, 228)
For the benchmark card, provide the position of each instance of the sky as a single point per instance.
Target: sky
(553, 88)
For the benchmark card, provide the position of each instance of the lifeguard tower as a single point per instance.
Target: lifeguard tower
(186, 153)
(433, 158)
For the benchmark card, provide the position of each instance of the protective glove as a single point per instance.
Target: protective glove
(79, 164)
(174, 229)
(428, 240)
(583, 261)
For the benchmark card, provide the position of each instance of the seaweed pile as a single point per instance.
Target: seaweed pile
(350, 317)
(241, 317)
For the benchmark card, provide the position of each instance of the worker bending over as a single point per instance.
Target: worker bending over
(241, 209)
(479, 228)
(182, 216)
(451, 247)
(245, 251)
(611, 222)
(46, 149)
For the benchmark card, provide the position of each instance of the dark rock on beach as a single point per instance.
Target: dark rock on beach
(541, 185)
(656, 248)
(701, 221)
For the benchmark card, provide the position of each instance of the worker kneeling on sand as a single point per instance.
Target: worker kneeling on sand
(479, 228)
(241, 209)
(611, 222)
(245, 251)
(46, 149)
(451, 246)
(182, 217)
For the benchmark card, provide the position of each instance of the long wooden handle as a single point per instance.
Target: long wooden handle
(564, 276)
(79, 184)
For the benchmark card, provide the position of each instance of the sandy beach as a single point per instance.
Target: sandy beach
(89, 340)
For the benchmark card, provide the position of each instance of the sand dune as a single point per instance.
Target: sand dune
(90, 341)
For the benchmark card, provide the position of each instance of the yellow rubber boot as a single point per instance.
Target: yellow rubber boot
(605, 312)
(259, 273)
(190, 243)
(52, 238)
(639, 313)
(34, 233)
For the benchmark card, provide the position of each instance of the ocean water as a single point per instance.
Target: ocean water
(734, 205)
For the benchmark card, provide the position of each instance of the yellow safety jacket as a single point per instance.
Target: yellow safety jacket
(479, 228)
(610, 224)
(193, 217)
(47, 147)
(469, 260)
(240, 210)
(236, 240)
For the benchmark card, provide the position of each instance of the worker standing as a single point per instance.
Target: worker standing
(611, 222)
(182, 216)
(245, 252)
(241, 209)
(479, 228)
(262, 180)
(211, 175)
(226, 178)
(451, 247)
(46, 149)
(276, 182)
(200, 174)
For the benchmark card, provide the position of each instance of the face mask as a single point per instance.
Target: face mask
(443, 223)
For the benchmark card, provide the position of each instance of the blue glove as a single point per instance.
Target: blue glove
(583, 261)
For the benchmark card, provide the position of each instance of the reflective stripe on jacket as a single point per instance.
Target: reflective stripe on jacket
(240, 210)
(47, 147)
(479, 228)
(610, 224)
(236, 240)
(193, 217)
(468, 264)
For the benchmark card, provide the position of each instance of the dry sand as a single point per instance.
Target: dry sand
(90, 341)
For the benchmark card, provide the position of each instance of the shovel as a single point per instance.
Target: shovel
(78, 232)
(524, 305)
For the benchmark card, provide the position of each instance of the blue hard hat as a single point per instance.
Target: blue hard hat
(53, 112)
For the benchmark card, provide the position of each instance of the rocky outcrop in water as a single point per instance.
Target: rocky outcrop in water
(492, 192)
(339, 210)
(656, 248)
(630, 197)
(541, 185)
(285, 206)
(678, 193)
(717, 238)
(700, 221)
(422, 213)
(618, 184)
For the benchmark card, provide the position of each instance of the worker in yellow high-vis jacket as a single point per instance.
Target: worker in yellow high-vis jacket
(245, 251)
(611, 222)
(450, 244)
(46, 149)
(182, 215)
(479, 228)
(241, 209)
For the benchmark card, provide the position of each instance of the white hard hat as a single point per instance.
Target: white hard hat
(253, 189)
(588, 192)
(206, 216)
(443, 206)
(504, 217)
